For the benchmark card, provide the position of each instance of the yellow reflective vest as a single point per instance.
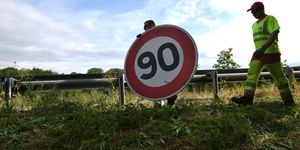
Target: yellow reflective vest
(261, 32)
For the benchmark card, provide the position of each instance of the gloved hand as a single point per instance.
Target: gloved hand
(259, 52)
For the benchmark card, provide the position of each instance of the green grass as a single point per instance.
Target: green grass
(93, 119)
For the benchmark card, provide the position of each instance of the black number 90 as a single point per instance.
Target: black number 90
(152, 61)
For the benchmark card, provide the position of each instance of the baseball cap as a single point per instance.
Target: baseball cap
(148, 22)
(256, 5)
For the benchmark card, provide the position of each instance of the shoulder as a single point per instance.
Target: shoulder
(270, 17)
(273, 24)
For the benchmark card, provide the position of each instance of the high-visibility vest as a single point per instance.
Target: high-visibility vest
(262, 31)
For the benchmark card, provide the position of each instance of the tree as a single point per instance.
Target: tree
(114, 72)
(9, 72)
(73, 73)
(40, 72)
(95, 71)
(225, 60)
(14, 72)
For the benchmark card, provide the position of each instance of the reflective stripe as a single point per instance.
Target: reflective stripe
(260, 39)
(253, 85)
(284, 86)
(261, 33)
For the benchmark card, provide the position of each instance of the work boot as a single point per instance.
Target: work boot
(289, 103)
(244, 100)
(171, 100)
(288, 100)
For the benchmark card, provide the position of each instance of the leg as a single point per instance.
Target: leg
(171, 100)
(276, 70)
(255, 68)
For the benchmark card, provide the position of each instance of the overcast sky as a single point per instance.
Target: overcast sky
(75, 35)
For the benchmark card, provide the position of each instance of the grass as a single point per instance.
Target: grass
(93, 119)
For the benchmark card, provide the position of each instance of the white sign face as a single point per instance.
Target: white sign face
(159, 61)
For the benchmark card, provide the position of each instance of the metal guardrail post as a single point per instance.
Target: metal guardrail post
(8, 86)
(214, 76)
(289, 72)
(121, 89)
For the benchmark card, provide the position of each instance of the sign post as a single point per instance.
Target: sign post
(161, 63)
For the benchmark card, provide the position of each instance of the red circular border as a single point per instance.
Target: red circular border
(188, 68)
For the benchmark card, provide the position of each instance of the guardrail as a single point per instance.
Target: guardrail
(55, 82)
(83, 81)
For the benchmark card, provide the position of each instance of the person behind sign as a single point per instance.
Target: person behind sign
(267, 54)
(148, 25)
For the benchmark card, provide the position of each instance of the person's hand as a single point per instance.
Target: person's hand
(139, 36)
(259, 52)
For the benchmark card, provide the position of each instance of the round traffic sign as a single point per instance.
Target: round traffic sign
(161, 62)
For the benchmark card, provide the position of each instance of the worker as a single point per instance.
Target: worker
(267, 54)
(148, 25)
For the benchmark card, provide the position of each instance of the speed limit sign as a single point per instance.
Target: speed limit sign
(160, 63)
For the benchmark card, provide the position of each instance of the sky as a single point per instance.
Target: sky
(75, 35)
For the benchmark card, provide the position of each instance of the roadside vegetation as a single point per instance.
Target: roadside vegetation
(93, 119)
